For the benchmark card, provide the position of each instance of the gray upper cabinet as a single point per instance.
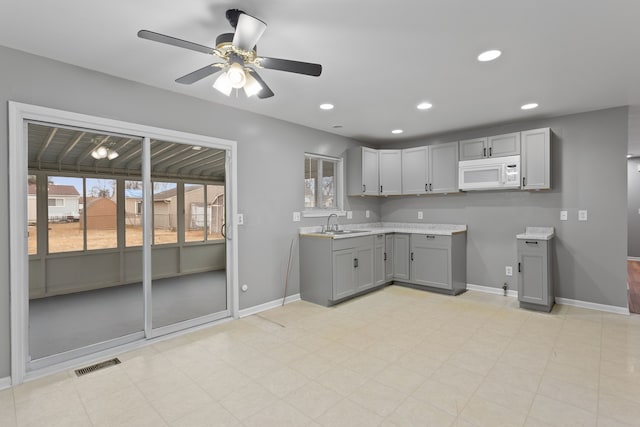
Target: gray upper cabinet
(401, 251)
(536, 159)
(473, 149)
(504, 145)
(535, 289)
(362, 172)
(493, 146)
(443, 168)
(430, 169)
(415, 176)
(390, 163)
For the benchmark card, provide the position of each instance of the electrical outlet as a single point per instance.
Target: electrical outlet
(582, 215)
(240, 219)
(564, 216)
(508, 270)
(349, 214)
(296, 217)
(420, 215)
(367, 213)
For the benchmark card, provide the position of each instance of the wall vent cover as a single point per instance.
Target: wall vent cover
(97, 366)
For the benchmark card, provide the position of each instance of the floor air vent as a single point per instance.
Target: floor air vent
(97, 366)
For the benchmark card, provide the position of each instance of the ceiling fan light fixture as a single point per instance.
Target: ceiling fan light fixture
(99, 153)
(222, 84)
(236, 75)
(112, 154)
(252, 86)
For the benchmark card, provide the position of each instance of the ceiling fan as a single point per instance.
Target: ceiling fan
(240, 55)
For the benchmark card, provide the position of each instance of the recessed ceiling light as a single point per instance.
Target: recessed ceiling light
(489, 55)
(196, 147)
(629, 156)
(326, 106)
(424, 106)
(397, 131)
(529, 106)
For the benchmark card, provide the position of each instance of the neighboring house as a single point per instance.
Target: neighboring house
(101, 214)
(62, 203)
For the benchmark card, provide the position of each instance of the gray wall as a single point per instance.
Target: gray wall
(270, 163)
(633, 207)
(588, 172)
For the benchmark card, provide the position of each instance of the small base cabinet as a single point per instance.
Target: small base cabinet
(439, 262)
(335, 269)
(535, 287)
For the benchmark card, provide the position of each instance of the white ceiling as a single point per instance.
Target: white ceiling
(380, 58)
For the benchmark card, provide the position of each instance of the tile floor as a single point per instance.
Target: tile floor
(396, 357)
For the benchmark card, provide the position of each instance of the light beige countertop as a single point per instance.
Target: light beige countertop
(385, 228)
(537, 233)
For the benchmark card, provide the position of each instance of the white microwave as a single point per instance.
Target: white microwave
(494, 173)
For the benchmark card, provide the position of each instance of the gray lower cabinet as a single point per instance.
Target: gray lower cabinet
(334, 269)
(388, 257)
(535, 287)
(401, 251)
(439, 261)
(379, 260)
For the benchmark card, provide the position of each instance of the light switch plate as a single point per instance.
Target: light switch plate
(367, 214)
(240, 219)
(296, 217)
(508, 270)
(420, 215)
(582, 215)
(349, 214)
(564, 216)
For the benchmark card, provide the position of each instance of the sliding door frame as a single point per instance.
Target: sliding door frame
(19, 114)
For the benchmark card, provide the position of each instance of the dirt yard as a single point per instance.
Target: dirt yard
(66, 237)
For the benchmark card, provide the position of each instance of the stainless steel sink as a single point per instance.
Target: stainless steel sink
(341, 232)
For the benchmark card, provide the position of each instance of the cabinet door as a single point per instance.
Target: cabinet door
(364, 267)
(414, 170)
(390, 162)
(379, 261)
(472, 149)
(370, 171)
(504, 145)
(344, 276)
(536, 159)
(431, 261)
(443, 168)
(388, 258)
(532, 275)
(401, 256)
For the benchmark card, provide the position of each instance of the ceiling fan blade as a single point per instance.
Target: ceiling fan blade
(157, 37)
(199, 74)
(265, 92)
(248, 32)
(291, 66)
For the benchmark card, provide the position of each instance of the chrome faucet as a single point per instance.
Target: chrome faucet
(335, 226)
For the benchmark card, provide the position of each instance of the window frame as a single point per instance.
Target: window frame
(339, 189)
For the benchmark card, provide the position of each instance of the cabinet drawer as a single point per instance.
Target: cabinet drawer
(352, 242)
(431, 240)
(532, 245)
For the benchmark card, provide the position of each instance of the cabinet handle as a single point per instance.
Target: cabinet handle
(411, 256)
(381, 188)
(484, 152)
(364, 188)
(524, 181)
(429, 236)
(430, 187)
(532, 242)
(490, 151)
(385, 256)
(426, 187)
(519, 268)
(355, 263)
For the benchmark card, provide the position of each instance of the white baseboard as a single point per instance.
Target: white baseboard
(5, 383)
(268, 305)
(593, 306)
(633, 258)
(492, 290)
